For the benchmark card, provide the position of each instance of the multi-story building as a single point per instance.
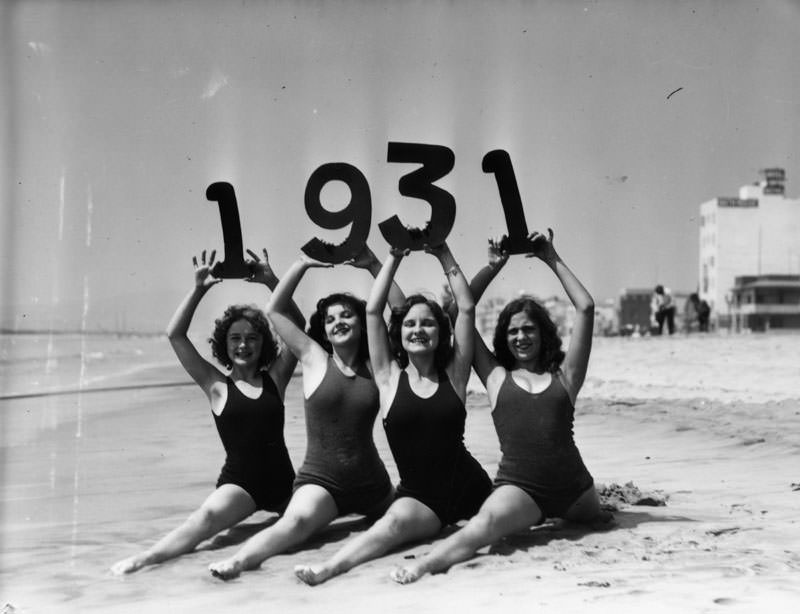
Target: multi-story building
(762, 302)
(757, 233)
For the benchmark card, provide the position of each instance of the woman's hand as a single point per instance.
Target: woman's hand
(363, 259)
(543, 247)
(202, 271)
(437, 250)
(260, 272)
(497, 256)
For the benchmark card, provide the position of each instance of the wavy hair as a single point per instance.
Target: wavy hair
(550, 356)
(444, 351)
(316, 323)
(259, 322)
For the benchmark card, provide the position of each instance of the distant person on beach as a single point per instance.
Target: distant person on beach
(662, 308)
(532, 385)
(342, 472)
(247, 405)
(422, 377)
(699, 310)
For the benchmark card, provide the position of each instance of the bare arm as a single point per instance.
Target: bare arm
(367, 259)
(464, 327)
(576, 362)
(483, 360)
(200, 370)
(279, 311)
(378, 337)
(283, 366)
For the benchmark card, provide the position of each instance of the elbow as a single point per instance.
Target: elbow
(586, 307)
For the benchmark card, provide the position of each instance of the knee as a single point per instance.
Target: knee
(298, 523)
(393, 525)
(204, 519)
(483, 526)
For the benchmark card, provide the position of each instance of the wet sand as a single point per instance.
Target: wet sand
(710, 424)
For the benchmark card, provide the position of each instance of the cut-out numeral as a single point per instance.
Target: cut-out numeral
(233, 266)
(358, 212)
(436, 161)
(499, 162)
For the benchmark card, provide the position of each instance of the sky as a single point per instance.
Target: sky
(620, 117)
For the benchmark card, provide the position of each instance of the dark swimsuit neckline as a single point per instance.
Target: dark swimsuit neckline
(553, 378)
(247, 396)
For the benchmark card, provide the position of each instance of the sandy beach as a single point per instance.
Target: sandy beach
(708, 424)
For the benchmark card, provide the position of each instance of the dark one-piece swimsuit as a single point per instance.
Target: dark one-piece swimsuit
(539, 452)
(426, 436)
(256, 459)
(340, 452)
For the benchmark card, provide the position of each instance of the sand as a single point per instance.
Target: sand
(708, 424)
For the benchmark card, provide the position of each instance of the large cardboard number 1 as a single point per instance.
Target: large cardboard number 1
(499, 162)
(233, 266)
(436, 161)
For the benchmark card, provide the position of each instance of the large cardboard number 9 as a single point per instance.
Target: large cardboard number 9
(358, 212)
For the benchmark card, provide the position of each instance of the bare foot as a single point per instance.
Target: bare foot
(226, 570)
(405, 575)
(312, 575)
(129, 565)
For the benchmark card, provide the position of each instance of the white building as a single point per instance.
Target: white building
(757, 233)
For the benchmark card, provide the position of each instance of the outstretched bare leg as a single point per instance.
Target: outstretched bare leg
(310, 509)
(225, 507)
(507, 510)
(405, 521)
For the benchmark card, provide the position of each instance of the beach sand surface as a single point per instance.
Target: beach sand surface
(709, 424)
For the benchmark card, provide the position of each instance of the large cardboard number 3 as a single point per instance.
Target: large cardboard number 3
(436, 161)
(358, 212)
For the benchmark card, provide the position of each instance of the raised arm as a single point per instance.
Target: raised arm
(580, 343)
(200, 370)
(366, 259)
(283, 366)
(464, 325)
(483, 360)
(380, 353)
(280, 311)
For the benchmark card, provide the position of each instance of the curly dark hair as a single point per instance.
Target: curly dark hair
(444, 351)
(316, 323)
(551, 355)
(256, 317)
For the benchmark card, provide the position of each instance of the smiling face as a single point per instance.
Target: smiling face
(524, 338)
(244, 344)
(420, 330)
(342, 325)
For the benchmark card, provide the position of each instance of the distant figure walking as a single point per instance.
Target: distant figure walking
(663, 308)
(701, 310)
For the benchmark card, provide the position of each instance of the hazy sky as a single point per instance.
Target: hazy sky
(119, 114)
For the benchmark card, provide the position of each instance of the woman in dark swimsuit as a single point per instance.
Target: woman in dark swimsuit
(532, 386)
(422, 379)
(247, 405)
(342, 472)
